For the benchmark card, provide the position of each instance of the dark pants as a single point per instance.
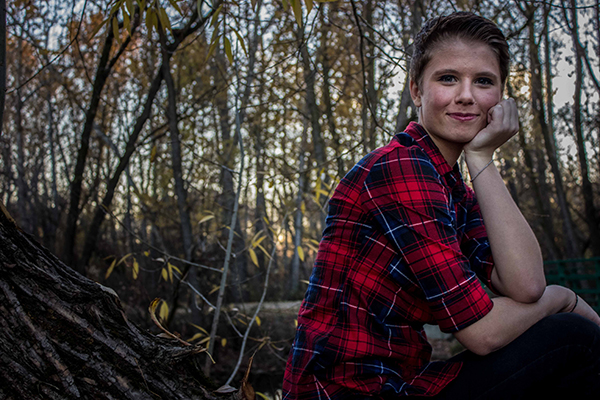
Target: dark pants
(557, 358)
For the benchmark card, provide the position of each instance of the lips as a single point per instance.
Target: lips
(463, 117)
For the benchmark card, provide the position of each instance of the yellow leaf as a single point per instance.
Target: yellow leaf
(305, 281)
(136, 268)
(206, 218)
(110, 269)
(315, 242)
(223, 342)
(164, 311)
(285, 4)
(303, 208)
(300, 253)
(205, 340)
(296, 322)
(176, 269)
(253, 256)
(214, 290)
(257, 320)
(195, 337)
(147, 253)
(170, 266)
(153, 154)
(125, 257)
(259, 394)
(154, 304)
(164, 274)
(201, 329)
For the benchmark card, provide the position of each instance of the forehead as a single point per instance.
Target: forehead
(465, 55)
(469, 53)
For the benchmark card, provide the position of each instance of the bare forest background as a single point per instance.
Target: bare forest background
(185, 150)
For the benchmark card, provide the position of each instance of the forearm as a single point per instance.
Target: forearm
(518, 271)
(509, 319)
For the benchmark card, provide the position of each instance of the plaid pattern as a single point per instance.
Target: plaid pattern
(403, 246)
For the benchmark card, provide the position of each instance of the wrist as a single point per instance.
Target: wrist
(565, 299)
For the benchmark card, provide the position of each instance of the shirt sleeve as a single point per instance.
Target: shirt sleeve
(404, 193)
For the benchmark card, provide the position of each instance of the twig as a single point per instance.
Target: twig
(258, 307)
(57, 56)
(213, 329)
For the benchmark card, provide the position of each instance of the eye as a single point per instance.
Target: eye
(447, 78)
(484, 81)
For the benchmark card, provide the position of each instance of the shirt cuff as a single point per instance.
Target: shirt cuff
(461, 306)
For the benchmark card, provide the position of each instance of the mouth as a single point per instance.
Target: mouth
(463, 117)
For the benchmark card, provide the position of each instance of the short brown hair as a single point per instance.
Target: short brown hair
(459, 25)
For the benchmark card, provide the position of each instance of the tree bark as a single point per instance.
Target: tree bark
(65, 336)
(2, 61)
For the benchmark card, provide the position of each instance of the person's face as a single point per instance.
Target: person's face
(458, 86)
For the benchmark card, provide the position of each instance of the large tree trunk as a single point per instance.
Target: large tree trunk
(64, 336)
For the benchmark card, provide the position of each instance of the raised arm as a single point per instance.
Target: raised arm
(518, 271)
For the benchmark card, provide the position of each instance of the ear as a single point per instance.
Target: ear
(415, 93)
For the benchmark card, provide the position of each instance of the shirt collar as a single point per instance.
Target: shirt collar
(418, 133)
(424, 141)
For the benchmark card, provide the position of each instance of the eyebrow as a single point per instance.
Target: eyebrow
(485, 74)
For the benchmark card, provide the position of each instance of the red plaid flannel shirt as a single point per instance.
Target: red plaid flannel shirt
(403, 246)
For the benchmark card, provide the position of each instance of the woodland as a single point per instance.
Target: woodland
(165, 167)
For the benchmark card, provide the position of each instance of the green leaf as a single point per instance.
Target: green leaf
(164, 18)
(176, 6)
(227, 45)
(309, 5)
(213, 20)
(241, 40)
(129, 5)
(253, 256)
(126, 22)
(300, 253)
(115, 27)
(285, 5)
(297, 9)
(97, 29)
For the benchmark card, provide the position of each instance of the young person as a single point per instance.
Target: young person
(405, 243)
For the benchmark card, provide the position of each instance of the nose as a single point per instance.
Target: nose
(465, 94)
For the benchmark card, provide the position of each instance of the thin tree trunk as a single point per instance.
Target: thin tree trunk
(102, 74)
(176, 158)
(547, 130)
(586, 185)
(299, 215)
(94, 228)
